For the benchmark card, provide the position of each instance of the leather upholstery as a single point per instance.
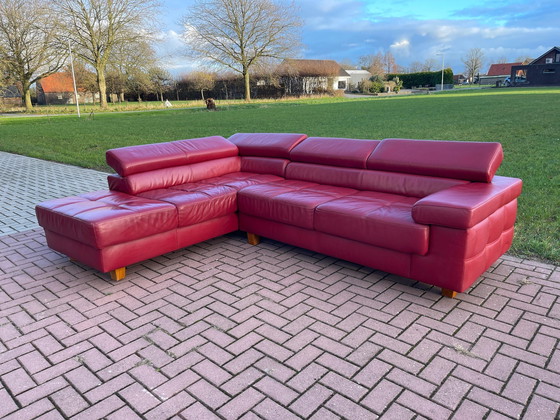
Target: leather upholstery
(260, 165)
(330, 151)
(148, 157)
(464, 206)
(238, 180)
(104, 218)
(291, 202)
(276, 145)
(196, 202)
(388, 182)
(374, 218)
(177, 175)
(470, 161)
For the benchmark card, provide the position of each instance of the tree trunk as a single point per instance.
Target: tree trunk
(121, 96)
(27, 99)
(102, 84)
(247, 84)
(202, 93)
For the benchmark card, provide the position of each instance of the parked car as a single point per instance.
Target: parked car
(518, 79)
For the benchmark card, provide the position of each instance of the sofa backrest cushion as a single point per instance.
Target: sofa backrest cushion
(276, 145)
(471, 161)
(148, 157)
(361, 179)
(264, 165)
(350, 153)
(174, 175)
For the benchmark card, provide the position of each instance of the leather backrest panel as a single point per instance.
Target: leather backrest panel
(176, 175)
(471, 161)
(277, 145)
(388, 182)
(351, 153)
(148, 157)
(264, 165)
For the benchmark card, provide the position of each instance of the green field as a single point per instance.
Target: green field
(525, 121)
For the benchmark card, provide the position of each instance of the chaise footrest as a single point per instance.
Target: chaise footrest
(88, 226)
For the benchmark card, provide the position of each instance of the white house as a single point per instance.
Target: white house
(358, 76)
(313, 76)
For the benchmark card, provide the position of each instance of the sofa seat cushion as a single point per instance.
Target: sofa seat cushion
(238, 180)
(197, 202)
(288, 201)
(104, 218)
(379, 219)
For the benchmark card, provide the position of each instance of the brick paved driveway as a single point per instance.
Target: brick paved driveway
(227, 330)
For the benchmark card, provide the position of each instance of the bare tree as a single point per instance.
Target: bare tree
(389, 63)
(238, 33)
(161, 81)
(85, 79)
(373, 63)
(473, 62)
(201, 80)
(28, 46)
(96, 27)
(124, 63)
(379, 64)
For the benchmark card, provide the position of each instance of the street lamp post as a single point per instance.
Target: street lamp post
(442, 68)
(74, 79)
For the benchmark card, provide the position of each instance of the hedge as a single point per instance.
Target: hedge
(425, 78)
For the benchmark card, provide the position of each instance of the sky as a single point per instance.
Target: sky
(412, 30)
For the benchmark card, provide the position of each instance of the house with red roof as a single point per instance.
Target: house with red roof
(497, 73)
(58, 89)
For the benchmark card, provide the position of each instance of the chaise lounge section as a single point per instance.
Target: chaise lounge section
(432, 211)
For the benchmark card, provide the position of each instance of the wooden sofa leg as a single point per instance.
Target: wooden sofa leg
(253, 239)
(448, 293)
(118, 274)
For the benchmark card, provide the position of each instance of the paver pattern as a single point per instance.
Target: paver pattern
(228, 330)
(25, 182)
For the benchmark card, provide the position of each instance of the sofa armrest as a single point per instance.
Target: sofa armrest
(463, 206)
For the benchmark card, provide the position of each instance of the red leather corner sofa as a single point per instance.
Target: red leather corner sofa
(432, 211)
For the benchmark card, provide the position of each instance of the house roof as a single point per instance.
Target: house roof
(311, 67)
(546, 53)
(57, 82)
(501, 69)
(364, 72)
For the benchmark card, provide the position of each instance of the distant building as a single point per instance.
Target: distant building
(10, 95)
(58, 89)
(459, 79)
(309, 77)
(358, 76)
(543, 71)
(497, 73)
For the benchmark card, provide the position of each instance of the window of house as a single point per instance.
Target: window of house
(59, 96)
(548, 60)
(558, 57)
(341, 84)
(549, 71)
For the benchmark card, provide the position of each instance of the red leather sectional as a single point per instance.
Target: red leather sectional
(432, 211)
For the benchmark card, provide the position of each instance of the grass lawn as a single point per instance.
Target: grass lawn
(524, 120)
